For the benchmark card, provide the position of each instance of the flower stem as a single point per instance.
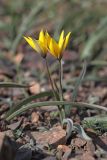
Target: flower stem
(60, 80)
(54, 92)
(61, 89)
(51, 82)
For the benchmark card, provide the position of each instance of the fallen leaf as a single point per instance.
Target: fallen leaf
(35, 117)
(16, 125)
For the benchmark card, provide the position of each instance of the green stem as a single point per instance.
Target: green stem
(60, 80)
(61, 89)
(55, 84)
(51, 82)
(53, 90)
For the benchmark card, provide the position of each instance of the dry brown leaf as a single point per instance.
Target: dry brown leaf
(35, 117)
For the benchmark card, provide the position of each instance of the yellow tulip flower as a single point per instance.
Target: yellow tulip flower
(56, 49)
(40, 45)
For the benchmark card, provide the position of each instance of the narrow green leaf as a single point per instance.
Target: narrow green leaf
(79, 81)
(28, 100)
(98, 63)
(13, 85)
(56, 103)
(69, 128)
(81, 132)
(77, 84)
(35, 10)
(95, 38)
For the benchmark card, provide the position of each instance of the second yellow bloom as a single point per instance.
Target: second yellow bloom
(56, 49)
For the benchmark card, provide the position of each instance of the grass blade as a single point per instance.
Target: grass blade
(13, 85)
(28, 100)
(95, 37)
(25, 23)
(75, 91)
(79, 80)
(51, 103)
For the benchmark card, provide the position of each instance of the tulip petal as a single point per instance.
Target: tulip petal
(67, 40)
(37, 46)
(51, 47)
(42, 36)
(54, 49)
(30, 41)
(43, 47)
(61, 39)
(48, 38)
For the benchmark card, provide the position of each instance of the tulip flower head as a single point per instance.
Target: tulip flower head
(40, 45)
(57, 48)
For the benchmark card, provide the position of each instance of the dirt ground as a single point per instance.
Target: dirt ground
(37, 134)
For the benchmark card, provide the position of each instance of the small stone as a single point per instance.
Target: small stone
(90, 147)
(35, 117)
(78, 142)
(9, 133)
(87, 156)
(64, 148)
(35, 88)
(50, 158)
(53, 137)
